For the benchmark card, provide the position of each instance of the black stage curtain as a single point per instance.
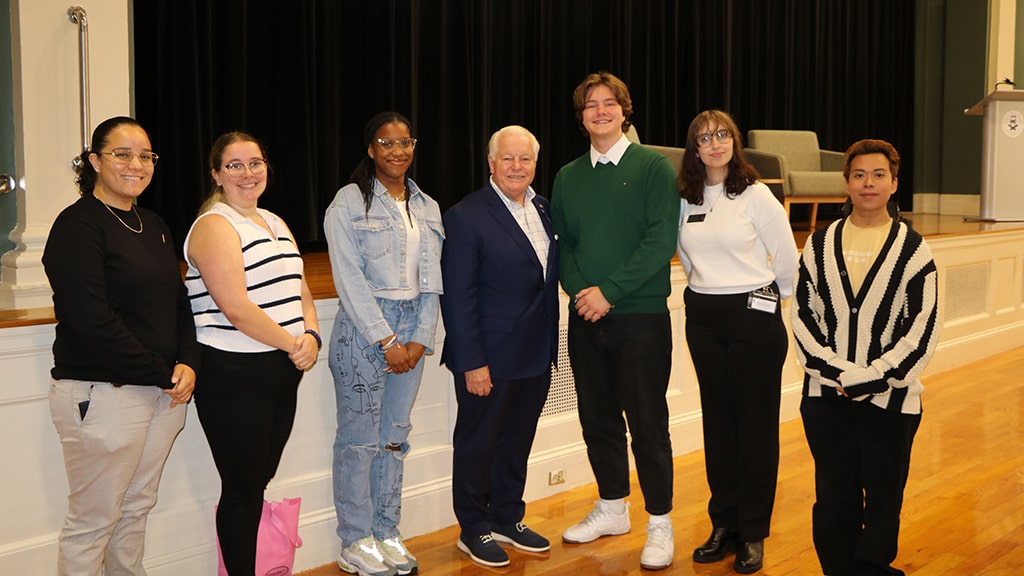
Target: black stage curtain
(304, 76)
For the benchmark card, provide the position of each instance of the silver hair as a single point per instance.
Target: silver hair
(492, 145)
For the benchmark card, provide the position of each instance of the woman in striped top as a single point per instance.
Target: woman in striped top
(257, 324)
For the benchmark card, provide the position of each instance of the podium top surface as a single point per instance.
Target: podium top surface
(997, 95)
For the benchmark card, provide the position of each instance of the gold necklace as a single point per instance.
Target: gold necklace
(123, 223)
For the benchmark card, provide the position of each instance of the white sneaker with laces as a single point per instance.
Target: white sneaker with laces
(660, 546)
(601, 521)
(363, 558)
(395, 553)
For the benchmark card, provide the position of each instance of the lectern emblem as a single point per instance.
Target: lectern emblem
(1012, 126)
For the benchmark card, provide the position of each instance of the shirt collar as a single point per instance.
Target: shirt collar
(530, 195)
(379, 189)
(613, 155)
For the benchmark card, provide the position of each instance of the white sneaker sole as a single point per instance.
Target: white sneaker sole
(654, 567)
(462, 547)
(351, 569)
(502, 538)
(602, 535)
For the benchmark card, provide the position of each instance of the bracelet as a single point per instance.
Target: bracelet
(314, 334)
(391, 343)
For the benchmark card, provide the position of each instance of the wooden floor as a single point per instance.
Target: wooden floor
(963, 515)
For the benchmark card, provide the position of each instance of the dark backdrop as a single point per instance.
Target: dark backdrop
(304, 76)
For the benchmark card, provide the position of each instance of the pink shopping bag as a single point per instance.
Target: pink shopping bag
(278, 538)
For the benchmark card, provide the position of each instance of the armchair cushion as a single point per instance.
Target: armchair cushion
(807, 174)
(674, 155)
(816, 183)
(799, 147)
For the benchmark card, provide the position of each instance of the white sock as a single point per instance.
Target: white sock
(660, 519)
(617, 506)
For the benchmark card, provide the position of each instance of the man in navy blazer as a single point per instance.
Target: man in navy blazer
(500, 310)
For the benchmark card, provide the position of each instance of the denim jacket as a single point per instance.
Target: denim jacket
(367, 251)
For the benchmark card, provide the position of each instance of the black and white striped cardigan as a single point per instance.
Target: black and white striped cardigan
(875, 343)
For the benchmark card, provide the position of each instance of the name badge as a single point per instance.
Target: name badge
(696, 217)
(763, 299)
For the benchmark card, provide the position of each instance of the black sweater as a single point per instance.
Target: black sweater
(122, 312)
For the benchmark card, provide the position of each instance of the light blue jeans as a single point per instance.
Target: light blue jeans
(373, 425)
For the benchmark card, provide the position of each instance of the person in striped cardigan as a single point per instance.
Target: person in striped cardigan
(865, 322)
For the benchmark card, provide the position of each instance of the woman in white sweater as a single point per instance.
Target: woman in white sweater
(865, 322)
(740, 259)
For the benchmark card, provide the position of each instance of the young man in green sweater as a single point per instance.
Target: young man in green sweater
(616, 214)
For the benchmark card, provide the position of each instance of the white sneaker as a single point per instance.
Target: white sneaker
(601, 521)
(395, 553)
(660, 547)
(363, 558)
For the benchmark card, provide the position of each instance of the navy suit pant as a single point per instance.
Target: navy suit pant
(492, 441)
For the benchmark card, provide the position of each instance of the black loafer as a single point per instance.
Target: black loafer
(721, 541)
(749, 557)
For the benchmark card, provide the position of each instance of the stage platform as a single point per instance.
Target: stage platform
(318, 266)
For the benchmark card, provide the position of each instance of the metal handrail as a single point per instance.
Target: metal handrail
(76, 14)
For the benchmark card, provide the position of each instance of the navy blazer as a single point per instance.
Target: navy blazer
(497, 307)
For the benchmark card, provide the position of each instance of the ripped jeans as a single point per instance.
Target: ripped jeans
(373, 425)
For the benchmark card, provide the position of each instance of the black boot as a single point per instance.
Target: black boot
(722, 540)
(749, 557)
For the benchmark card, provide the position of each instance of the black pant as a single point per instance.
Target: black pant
(246, 404)
(861, 463)
(621, 363)
(738, 355)
(492, 441)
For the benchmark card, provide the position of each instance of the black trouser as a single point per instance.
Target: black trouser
(246, 404)
(861, 462)
(491, 447)
(738, 355)
(621, 363)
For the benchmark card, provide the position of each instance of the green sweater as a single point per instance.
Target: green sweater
(617, 228)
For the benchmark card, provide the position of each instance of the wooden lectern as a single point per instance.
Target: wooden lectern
(1002, 155)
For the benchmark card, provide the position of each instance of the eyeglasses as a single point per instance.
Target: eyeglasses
(723, 136)
(404, 143)
(257, 167)
(123, 157)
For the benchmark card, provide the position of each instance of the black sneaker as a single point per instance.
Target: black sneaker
(483, 550)
(520, 536)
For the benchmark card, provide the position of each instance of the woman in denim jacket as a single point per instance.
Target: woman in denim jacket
(384, 238)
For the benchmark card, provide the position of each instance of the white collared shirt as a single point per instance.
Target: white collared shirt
(613, 155)
(529, 221)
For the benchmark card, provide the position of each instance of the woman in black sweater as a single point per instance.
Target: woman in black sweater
(125, 352)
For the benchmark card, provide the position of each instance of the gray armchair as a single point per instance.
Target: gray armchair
(791, 159)
(674, 155)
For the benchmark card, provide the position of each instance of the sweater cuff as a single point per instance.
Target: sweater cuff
(611, 293)
(863, 381)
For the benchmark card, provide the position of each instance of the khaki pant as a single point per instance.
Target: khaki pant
(114, 457)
